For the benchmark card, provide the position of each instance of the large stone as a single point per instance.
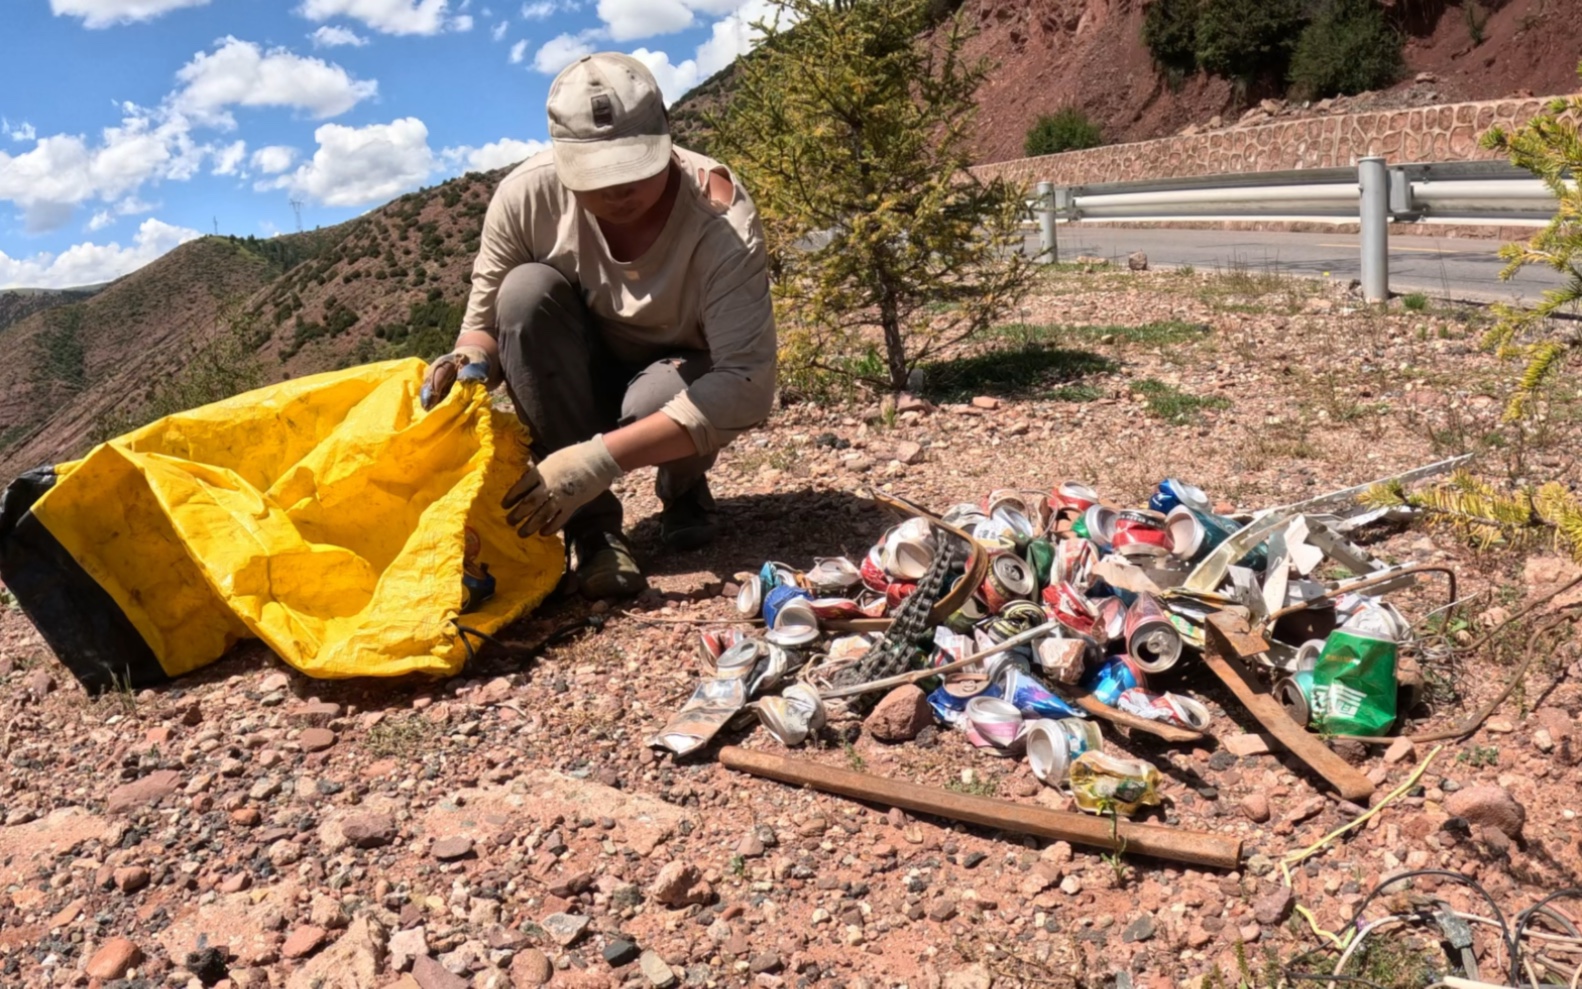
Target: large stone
(1256, 806)
(1274, 907)
(974, 976)
(900, 716)
(316, 739)
(113, 959)
(1488, 805)
(145, 792)
(303, 941)
(454, 847)
(564, 928)
(369, 830)
(530, 969)
(430, 974)
(407, 946)
(656, 970)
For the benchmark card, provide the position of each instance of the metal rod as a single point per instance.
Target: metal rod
(1048, 251)
(1019, 639)
(1196, 847)
(1374, 180)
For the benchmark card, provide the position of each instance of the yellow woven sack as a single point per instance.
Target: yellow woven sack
(329, 516)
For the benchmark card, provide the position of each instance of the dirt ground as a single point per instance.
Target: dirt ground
(511, 827)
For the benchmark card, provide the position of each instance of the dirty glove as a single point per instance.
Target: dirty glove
(563, 482)
(461, 364)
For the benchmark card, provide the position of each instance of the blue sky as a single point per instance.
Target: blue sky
(129, 126)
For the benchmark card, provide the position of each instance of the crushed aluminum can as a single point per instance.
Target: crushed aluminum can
(794, 624)
(712, 644)
(971, 612)
(1111, 623)
(1173, 709)
(1073, 495)
(1062, 660)
(778, 598)
(1102, 783)
(1021, 527)
(908, 550)
(773, 575)
(872, 570)
(750, 599)
(794, 715)
(836, 609)
(1116, 674)
(1014, 619)
(1172, 492)
(834, 576)
(1140, 528)
(1023, 692)
(949, 646)
(1072, 609)
(738, 661)
(772, 667)
(1048, 752)
(1074, 562)
(1295, 694)
(1098, 524)
(894, 594)
(1040, 555)
(949, 699)
(964, 515)
(1009, 579)
(995, 534)
(714, 702)
(850, 648)
(1194, 535)
(1151, 638)
(993, 723)
(1083, 735)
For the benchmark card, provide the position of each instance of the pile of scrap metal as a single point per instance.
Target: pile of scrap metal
(1027, 617)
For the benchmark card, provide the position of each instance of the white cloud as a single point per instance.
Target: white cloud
(354, 166)
(229, 158)
(62, 171)
(18, 132)
(100, 220)
(387, 16)
(333, 36)
(542, 10)
(496, 154)
(674, 80)
(563, 49)
(497, 33)
(130, 206)
(104, 13)
(631, 19)
(240, 73)
(518, 52)
(274, 159)
(734, 35)
(91, 264)
(461, 24)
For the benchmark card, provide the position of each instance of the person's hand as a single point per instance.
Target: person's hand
(461, 364)
(567, 479)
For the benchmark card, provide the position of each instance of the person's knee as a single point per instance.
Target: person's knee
(531, 297)
(661, 381)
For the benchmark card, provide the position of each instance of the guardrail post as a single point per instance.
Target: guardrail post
(1374, 181)
(1048, 251)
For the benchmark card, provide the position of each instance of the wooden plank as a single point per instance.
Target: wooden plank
(1115, 716)
(1229, 640)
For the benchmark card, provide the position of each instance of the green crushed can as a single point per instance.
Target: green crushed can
(1041, 557)
(1354, 684)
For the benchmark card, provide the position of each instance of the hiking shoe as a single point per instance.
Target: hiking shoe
(606, 568)
(689, 521)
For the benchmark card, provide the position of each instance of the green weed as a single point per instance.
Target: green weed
(1416, 302)
(401, 737)
(1173, 405)
(1480, 756)
(978, 786)
(1030, 368)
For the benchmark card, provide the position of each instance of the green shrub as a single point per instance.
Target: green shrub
(1068, 130)
(1170, 32)
(1349, 48)
(1247, 39)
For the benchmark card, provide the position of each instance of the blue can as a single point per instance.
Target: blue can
(777, 598)
(1110, 678)
(1172, 492)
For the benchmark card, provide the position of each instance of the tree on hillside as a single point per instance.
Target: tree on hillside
(1248, 39)
(851, 135)
(1349, 47)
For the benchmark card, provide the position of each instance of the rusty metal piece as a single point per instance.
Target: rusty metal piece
(1115, 716)
(1195, 847)
(1363, 583)
(1229, 642)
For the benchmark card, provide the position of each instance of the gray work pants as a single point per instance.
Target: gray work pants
(567, 387)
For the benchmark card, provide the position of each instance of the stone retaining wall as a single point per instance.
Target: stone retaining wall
(1425, 134)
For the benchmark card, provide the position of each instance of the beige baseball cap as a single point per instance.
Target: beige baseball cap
(607, 122)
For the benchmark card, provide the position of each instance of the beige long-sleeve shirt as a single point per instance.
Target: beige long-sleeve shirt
(703, 285)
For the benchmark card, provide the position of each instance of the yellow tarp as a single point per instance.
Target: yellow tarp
(327, 516)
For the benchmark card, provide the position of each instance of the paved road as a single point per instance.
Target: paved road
(1443, 267)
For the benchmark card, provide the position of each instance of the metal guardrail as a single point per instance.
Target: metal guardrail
(1374, 194)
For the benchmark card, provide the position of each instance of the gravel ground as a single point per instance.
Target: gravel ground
(251, 827)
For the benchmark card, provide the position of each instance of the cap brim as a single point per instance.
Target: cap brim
(587, 165)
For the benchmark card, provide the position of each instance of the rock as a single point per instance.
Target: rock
(407, 946)
(316, 739)
(679, 884)
(452, 848)
(131, 878)
(1255, 806)
(530, 969)
(430, 974)
(208, 965)
(303, 942)
(942, 910)
(113, 959)
(1244, 745)
(1428, 77)
(1400, 750)
(1543, 740)
(564, 928)
(1489, 805)
(145, 792)
(355, 961)
(1140, 929)
(654, 969)
(1137, 261)
(902, 713)
(1274, 907)
(317, 714)
(908, 452)
(39, 684)
(912, 403)
(985, 402)
(974, 976)
(620, 952)
(327, 912)
(369, 830)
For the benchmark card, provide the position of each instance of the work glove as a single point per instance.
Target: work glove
(461, 364)
(546, 496)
